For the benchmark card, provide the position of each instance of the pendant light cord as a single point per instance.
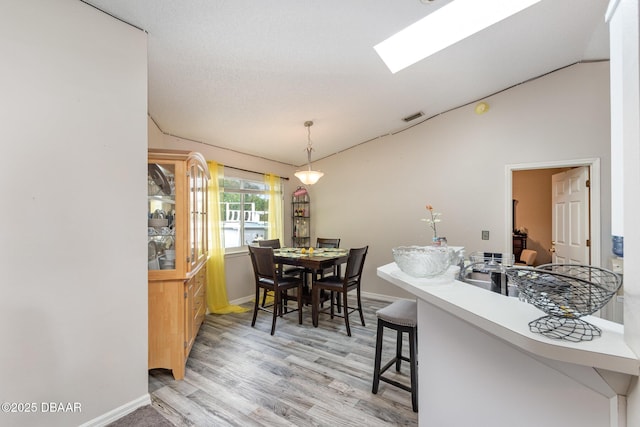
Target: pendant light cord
(309, 148)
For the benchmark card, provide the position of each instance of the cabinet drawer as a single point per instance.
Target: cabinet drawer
(199, 303)
(198, 315)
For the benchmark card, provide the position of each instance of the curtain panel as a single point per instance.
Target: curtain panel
(217, 300)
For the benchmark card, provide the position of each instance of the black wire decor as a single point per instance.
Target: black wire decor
(566, 292)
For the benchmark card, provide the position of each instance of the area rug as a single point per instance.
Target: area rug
(145, 416)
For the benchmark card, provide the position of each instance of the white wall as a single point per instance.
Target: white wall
(73, 311)
(375, 193)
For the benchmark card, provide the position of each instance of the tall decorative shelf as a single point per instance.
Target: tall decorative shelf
(177, 241)
(300, 218)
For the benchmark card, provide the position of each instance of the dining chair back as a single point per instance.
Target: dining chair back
(270, 243)
(342, 286)
(323, 242)
(267, 279)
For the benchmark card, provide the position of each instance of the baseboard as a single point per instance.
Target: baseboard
(379, 297)
(119, 412)
(242, 300)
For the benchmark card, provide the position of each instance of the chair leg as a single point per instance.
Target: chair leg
(360, 306)
(299, 292)
(283, 303)
(338, 303)
(413, 343)
(346, 312)
(255, 307)
(398, 351)
(264, 297)
(314, 305)
(376, 367)
(331, 305)
(276, 309)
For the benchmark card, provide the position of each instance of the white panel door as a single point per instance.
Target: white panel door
(570, 216)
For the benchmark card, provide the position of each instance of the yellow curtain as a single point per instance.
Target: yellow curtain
(275, 207)
(217, 300)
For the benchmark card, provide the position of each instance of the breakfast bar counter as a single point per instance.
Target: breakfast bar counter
(479, 364)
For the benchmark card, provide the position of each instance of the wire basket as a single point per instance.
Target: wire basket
(565, 292)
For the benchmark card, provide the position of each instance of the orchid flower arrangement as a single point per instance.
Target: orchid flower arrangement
(434, 217)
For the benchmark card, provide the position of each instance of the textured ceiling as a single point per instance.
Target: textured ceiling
(247, 74)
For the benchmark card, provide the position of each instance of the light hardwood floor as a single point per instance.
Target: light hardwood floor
(302, 376)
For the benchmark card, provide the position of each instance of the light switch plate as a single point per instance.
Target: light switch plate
(485, 234)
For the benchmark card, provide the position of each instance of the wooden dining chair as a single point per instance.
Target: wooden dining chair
(341, 286)
(331, 243)
(322, 242)
(289, 271)
(268, 279)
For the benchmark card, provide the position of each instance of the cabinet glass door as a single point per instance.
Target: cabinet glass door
(198, 213)
(161, 216)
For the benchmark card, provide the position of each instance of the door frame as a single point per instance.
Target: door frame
(594, 206)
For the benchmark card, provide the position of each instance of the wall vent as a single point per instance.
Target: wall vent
(413, 116)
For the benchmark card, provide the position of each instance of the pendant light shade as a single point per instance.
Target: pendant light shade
(309, 176)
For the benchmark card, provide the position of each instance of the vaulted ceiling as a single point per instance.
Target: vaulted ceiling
(247, 74)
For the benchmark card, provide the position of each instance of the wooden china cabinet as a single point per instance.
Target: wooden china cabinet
(177, 243)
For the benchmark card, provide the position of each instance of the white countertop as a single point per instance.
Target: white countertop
(508, 318)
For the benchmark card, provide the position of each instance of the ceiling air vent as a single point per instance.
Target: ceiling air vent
(413, 116)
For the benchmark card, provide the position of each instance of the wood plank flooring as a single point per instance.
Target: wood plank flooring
(302, 376)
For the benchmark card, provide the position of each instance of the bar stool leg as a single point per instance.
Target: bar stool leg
(413, 343)
(398, 350)
(376, 372)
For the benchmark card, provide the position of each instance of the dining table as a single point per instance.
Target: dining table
(312, 261)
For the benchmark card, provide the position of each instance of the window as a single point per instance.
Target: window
(244, 211)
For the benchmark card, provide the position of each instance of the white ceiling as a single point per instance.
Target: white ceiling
(247, 74)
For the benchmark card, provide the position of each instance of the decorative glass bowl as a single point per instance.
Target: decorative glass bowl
(423, 261)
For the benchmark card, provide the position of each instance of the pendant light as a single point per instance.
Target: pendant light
(309, 177)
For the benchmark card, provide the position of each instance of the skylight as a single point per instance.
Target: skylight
(443, 28)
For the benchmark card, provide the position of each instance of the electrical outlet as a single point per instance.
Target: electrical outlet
(485, 234)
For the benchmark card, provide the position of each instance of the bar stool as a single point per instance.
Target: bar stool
(402, 316)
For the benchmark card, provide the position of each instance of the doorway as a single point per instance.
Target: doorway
(594, 211)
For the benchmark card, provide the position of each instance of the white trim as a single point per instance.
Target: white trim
(381, 297)
(119, 412)
(240, 252)
(611, 10)
(594, 176)
(242, 300)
